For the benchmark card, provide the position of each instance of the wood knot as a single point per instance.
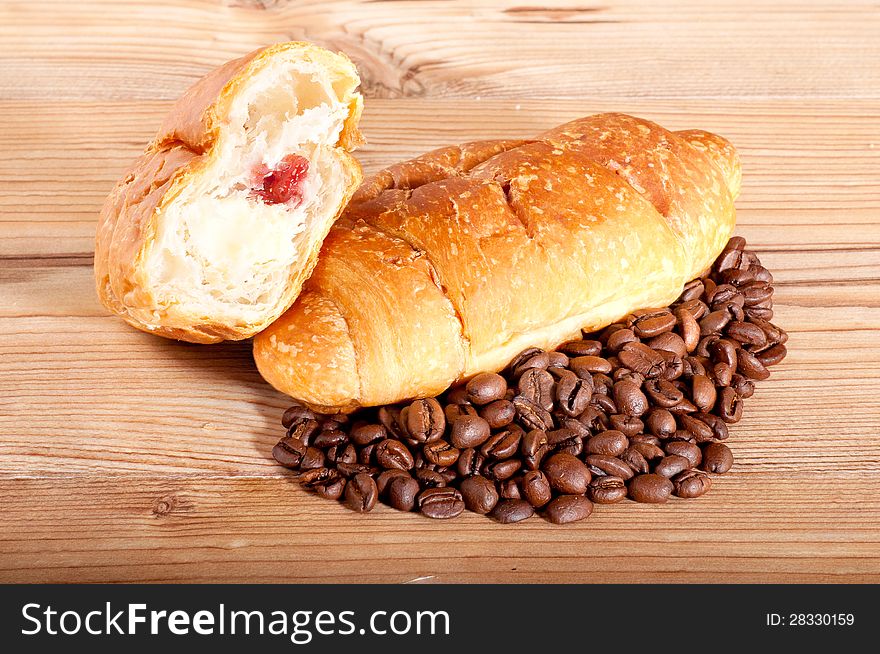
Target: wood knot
(165, 505)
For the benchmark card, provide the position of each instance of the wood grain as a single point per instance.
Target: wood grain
(129, 458)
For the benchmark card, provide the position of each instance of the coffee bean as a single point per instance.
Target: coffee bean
(425, 420)
(660, 422)
(772, 355)
(485, 388)
(329, 438)
(509, 511)
(703, 392)
(756, 293)
(391, 453)
(441, 453)
(289, 452)
(692, 290)
(673, 365)
(649, 451)
(609, 443)
(499, 413)
(479, 494)
(743, 386)
(296, 414)
(470, 462)
(313, 458)
(402, 492)
(389, 417)
(469, 431)
(629, 398)
(620, 338)
(628, 425)
(504, 444)
(348, 470)
(729, 405)
(642, 359)
(714, 322)
(573, 393)
(536, 488)
(607, 489)
(534, 446)
(690, 329)
(663, 393)
(635, 460)
(722, 373)
(304, 430)
(689, 451)
(696, 307)
(724, 350)
(671, 342)
(645, 438)
(531, 415)
(746, 333)
(586, 365)
(717, 425)
(568, 508)
(717, 458)
(441, 503)
(567, 474)
(581, 348)
(361, 493)
(609, 465)
(701, 431)
(650, 322)
(383, 481)
(671, 465)
(537, 386)
(501, 470)
(650, 488)
(691, 483)
(557, 360)
(750, 366)
(363, 435)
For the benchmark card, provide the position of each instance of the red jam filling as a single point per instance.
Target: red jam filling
(284, 184)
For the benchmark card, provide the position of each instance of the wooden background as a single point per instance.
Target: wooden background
(125, 457)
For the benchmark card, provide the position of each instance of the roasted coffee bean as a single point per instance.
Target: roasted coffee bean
(660, 422)
(348, 470)
(609, 465)
(685, 406)
(479, 494)
(441, 453)
(486, 387)
(531, 415)
(365, 434)
(671, 465)
(509, 489)
(501, 470)
(594, 419)
(572, 393)
(724, 294)
(750, 366)
(313, 458)
(772, 355)
(650, 488)
(304, 430)
(602, 383)
(556, 437)
(499, 413)
(557, 360)
(387, 476)
(716, 424)
(469, 431)
(756, 292)
(470, 462)
(586, 365)
(537, 386)
(689, 451)
(743, 386)
(717, 458)
(629, 398)
(389, 417)
(700, 430)
(634, 459)
(391, 453)
(774, 334)
(697, 308)
(567, 474)
(607, 489)
(642, 359)
(402, 492)
(509, 511)
(625, 374)
(425, 420)
(703, 392)
(753, 313)
(645, 438)
(628, 425)
(295, 414)
(689, 327)
(604, 403)
(429, 478)
(648, 450)
(746, 333)
(502, 445)
(361, 493)
(663, 393)
(670, 342)
(441, 503)
(342, 454)
(673, 365)
(620, 338)
(289, 452)
(683, 435)
(646, 323)
(714, 322)
(691, 483)
(729, 405)
(532, 357)
(722, 373)
(568, 508)
(329, 438)
(534, 448)
(536, 488)
(581, 348)
(692, 290)
(455, 411)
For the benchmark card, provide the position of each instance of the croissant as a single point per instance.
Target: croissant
(452, 263)
(211, 233)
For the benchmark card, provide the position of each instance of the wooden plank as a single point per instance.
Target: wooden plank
(137, 49)
(810, 170)
(753, 527)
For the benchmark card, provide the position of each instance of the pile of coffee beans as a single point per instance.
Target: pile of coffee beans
(639, 410)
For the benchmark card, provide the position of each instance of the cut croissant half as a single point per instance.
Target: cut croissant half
(213, 230)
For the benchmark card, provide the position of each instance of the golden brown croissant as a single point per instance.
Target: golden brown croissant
(454, 262)
(214, 228)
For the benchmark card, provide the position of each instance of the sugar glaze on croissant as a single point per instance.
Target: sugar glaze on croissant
(452, 263)
(213, 230)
